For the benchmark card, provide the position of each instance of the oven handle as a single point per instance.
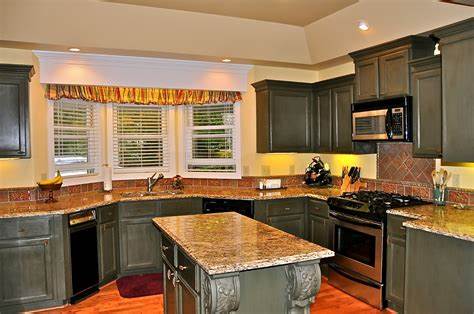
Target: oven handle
(358, 279)
(355, 221)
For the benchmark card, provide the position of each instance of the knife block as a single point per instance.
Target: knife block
(347, 186)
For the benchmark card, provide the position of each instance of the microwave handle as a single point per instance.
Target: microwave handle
(388, 123)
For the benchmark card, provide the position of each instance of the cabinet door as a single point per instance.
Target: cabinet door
(318, 230)
(188, 300)
(170, 298)
(427, 137)
(322, 123)
(367, 79)
(341, 101)
(293, 224)
(394, 74)
(187, 206)
(395, 272)
(108, 252)
(290, 128)
(139, 246)
(26, 271)
(14, 124)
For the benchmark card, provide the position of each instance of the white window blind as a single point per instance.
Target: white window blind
(140, 138)
(211, 138)
(76, 138)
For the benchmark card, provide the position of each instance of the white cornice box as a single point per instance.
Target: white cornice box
(107, 70)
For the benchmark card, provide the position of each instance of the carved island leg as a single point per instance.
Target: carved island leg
(304, 282)
(221, 294)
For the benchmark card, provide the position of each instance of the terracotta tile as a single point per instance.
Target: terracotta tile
(140, 183)
(400, 189)
(120, 184)
(471, 198)
(215, 182)
(389, 187)
(458, 197)
(230, 183)
(423, 192)
(98, 186)
(246, 183)
(3, 196)
(408, 190)
(20, 195)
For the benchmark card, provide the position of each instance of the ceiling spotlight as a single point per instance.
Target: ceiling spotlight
(363, 25)
(226, 60)
(74, 49)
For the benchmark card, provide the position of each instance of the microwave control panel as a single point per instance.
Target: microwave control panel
(397, 123)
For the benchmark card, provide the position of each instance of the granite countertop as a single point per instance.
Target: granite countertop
(229, 242)
(444, 220)
(78, 202)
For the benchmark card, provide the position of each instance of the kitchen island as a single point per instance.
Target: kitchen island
(226, 262)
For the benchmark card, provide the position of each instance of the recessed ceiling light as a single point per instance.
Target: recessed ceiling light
(363, 25)
(73, 49)
(226, 60)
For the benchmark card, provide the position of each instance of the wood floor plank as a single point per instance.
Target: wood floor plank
(329, 301)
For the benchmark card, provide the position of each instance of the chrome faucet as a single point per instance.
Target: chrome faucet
(151, 181)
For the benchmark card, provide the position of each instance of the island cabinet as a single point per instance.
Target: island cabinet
(318, 227)
(457, 45)
(108, 243)
(14, 110)
(396, 253)
(283, 116)
(427, 120)
(332, 118)
(138, 239)
(288, 215)
(32, 263)
(382, 71)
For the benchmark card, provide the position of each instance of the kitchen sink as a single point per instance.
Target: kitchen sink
(144, 194)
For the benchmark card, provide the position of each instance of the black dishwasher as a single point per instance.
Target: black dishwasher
(213, 205)
(84, 257)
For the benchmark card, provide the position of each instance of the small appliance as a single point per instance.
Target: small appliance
(382, 120)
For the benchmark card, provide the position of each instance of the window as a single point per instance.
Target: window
(141, 138)
(76, 138)
(211, 141)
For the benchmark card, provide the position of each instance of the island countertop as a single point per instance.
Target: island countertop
(229, 242)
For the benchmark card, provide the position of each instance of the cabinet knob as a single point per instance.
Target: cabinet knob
(180, 267)
(169, 274)
(175, 281)
(287, 208)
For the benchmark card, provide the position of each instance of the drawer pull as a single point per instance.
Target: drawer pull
(287, 208)
(175, 281)
(180, 267)
(169, 274)
(164, 247)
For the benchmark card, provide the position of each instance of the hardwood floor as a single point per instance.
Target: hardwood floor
(329, 301)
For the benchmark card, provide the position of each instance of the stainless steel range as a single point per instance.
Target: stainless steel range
(358, 237)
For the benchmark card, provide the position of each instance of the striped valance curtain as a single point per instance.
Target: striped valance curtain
(141, 96)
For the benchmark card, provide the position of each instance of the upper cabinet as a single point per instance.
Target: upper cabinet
(14, 110)
(457, 46)
(426, 90)
(382, 71)
(283, 116)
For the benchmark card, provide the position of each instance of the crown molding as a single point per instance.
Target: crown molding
(107, 70)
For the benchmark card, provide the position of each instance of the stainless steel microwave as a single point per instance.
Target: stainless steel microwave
(382, 120)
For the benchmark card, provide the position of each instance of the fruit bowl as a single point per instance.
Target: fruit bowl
(50, 188)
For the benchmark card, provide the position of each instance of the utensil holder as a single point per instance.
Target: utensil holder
(439, 195)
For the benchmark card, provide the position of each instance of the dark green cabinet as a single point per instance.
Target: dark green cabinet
(427, 120)
(283, 116)
(341, 102)
(382, 71)
(293, 224)
(457, 46)
(14, 110)
(188, 299)
(108, 252)
(318, 230)
(170, 299)
(322, 122)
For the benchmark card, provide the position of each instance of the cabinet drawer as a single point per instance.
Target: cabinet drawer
(138, 209)
(107, 213)
(318, 208)
(187, 206)
(25, 227)
(187, 269)
(167, 248)
(285, 207)
(395, 225)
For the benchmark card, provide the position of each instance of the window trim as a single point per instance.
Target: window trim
(209, 175)
(137, 175)
(77, 179)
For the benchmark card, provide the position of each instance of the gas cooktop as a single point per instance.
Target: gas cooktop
(371, 204)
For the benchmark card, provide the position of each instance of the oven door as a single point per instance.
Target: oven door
(370, 125)
(358, 245)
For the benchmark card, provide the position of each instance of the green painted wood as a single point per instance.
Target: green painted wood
(177, 207)
(342, 98)
(322, 122)
(439, 274)
(293, 223)
(170, 299)
(108, 252)
(394, 74)
(283, 116)
(367, 79)
(14, 110)
(189, 302)
(427, 108)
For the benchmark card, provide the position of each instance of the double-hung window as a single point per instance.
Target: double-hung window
(141, 140)
(211, 138)
(76, 136)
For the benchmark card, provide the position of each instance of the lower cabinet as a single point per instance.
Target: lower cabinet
(318, 230)
(108, 252)
(170, 291)
(293, 224)
(188, 300)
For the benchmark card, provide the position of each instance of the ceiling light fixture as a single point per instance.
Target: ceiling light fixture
(73, 49)
(363, 25)
(226, 60)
